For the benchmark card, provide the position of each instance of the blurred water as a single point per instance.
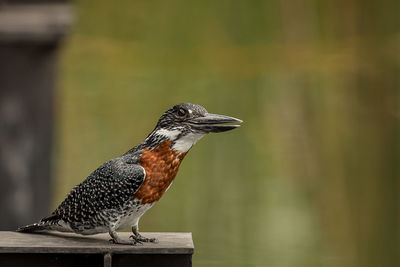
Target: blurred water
(309, 179)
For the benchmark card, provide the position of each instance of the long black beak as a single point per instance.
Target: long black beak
(210, 123)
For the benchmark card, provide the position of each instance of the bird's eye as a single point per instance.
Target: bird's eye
(181, 112)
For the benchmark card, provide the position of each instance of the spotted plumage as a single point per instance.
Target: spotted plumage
(121, 190)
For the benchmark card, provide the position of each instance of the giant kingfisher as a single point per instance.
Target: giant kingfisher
(122, 189)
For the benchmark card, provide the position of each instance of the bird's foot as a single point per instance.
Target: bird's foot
(115, 239)
(123, 242)
(141, 239)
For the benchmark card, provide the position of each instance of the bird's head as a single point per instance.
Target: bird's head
(184, 124)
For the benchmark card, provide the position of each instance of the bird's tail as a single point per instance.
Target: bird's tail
(44, 224)
(36, 227)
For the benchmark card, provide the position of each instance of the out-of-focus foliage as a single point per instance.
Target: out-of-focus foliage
(312, 176)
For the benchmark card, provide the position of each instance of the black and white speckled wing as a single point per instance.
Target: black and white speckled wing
(108, 187)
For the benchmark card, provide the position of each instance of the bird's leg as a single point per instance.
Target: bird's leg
(139, 238)
(117, 240)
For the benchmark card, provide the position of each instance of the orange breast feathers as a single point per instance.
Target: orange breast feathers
(161, 165)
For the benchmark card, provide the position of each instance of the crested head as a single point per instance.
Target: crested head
(184, 124)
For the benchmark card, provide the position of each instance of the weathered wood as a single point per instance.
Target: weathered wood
(58, 249)
(29, 41)
(27, 78)
(34, 22)
(107, 260)
(54, 242)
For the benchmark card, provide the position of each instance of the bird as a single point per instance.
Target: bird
(121, 190)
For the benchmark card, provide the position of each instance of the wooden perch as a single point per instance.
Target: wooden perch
(66, 249)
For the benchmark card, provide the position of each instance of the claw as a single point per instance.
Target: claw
(140, 239)
(135, 240)
(121, 242)
(116, 240)
(153, 240)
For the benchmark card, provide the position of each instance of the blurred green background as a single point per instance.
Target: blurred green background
(312, 176)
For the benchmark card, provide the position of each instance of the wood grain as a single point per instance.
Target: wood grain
(55, 242)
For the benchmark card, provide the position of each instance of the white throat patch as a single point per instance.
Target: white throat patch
(170, 134)
(184, 143)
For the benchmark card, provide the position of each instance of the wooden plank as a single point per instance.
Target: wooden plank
(54, 242)
(107, 260)
(27, 81)
(34, 23)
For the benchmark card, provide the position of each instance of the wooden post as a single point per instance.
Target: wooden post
(65, 249)
(29, 39)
